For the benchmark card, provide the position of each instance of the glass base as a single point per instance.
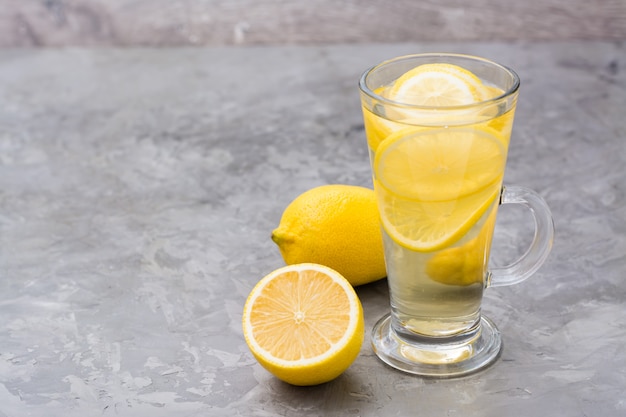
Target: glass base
(433, 358)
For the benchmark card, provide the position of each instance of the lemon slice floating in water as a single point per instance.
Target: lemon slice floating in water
(438, 85)
(434, 185)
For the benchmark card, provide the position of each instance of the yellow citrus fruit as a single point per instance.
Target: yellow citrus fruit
(304, 324)
(465, 264)
(434, 185)
(429, 85)
(460, 265)
(337, 226)
(438, 85)
(426, 226)
(439, 164)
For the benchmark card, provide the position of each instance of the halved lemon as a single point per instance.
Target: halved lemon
(437, 85)
(304, 323)
(434, 185)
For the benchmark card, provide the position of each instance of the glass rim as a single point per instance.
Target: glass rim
(507, 93)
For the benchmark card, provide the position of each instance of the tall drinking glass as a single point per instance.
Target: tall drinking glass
(437, 173)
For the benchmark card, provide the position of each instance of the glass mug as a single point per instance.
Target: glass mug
(437, 174)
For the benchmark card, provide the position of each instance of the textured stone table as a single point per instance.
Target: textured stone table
(138, 190)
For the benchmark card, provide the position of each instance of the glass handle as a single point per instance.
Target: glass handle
(541, 245)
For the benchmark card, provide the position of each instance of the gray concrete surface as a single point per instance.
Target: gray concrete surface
(138, 190)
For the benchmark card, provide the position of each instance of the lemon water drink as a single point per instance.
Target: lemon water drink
(438, 129)
(438, 136)
(438, 193)
(438, 190)
(437, 179)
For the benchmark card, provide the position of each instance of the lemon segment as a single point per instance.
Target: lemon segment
(304, 324)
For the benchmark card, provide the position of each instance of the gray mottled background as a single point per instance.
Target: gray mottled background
(139, 187)
(41, 23)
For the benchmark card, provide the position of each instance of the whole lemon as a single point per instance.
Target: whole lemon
(337, 226)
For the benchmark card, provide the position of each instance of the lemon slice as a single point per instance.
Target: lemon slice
(304, 323)
(431, 226)
(437, 85)
(463, 265)
(429, 85)
(439, 164)
(434, 185)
